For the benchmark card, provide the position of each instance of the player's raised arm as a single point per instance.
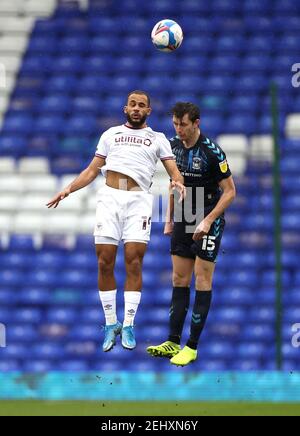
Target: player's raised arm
(85, 178)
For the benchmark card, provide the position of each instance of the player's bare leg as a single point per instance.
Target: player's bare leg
(134, 255)
(106, 255)
(204, 271)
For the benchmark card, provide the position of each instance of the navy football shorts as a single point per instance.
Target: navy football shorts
(182, 243)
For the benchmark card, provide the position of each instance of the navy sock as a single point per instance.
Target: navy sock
(179, 308)
(199, 316)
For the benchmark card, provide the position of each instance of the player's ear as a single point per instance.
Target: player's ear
(197, 122)
(149, 110)
(125, 109)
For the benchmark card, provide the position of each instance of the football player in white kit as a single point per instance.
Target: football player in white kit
(127, 156)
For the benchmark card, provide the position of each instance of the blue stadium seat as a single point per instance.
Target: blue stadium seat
(9, 365)
(74, 365)
(81, 124)
(212, 365)
(47, 350)
(44, 278)
(218, 350)
(34, 296)
(247, 364)
(88, 332)
(42, 44)
(74, 44)
(5, 315)
(246, 124)
(251, 83)
(37, 366)
(258, 333)
(22, 333)
(263, 314)
(229, 314)
(55, 103)
(15, 351)
(10, 278)
(18, 124)
(61, 315)
(62, 83)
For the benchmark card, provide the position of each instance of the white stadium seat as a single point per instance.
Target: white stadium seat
(28, 223)
(11, 183)
(7, 84)
(238, 165)
(6, 223)
(91, 202)
(9, 202)
(61, 223)
(33, 165)
(233, 144)
(39, 8)
(261, 147)
(87, 223)
(72, 203)
(237, 151)
(13, 44)
(16, 25)
(7, 165)
(35, 203)
(10, 7)
(292, 126)
(42, 183)
(11, 62)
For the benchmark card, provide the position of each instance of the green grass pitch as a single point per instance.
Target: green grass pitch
(107, 408)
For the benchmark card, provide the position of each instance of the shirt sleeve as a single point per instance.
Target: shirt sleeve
(219, 162)
(165, 150)
(102, 147)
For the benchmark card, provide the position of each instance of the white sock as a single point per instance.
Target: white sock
(108, 300)
(132, 301)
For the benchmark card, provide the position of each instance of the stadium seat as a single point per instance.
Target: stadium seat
(63, 90)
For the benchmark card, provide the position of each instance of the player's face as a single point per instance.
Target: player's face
(185, 128)
(137, 110)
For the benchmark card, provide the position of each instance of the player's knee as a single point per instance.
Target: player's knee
(106, 266)
(134, 265)
(203, 281)
(180, 280)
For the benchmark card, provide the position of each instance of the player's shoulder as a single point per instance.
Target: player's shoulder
(175, 142)
(159, 136)
(113, 130)
(212, 148)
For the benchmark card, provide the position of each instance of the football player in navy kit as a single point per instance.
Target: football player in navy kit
(203, 164)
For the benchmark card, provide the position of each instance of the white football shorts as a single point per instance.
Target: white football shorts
(123, 216)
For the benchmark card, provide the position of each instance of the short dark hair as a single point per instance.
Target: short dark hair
(139, 92)
(182, 108)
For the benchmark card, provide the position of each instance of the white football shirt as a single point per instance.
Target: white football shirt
(133, 152)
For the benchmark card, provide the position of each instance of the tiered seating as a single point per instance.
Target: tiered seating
(72, 84)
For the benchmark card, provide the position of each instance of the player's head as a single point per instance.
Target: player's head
(138, 108)
(186, 119)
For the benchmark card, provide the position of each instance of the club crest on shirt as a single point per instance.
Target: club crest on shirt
(224, 166)
(196, 163)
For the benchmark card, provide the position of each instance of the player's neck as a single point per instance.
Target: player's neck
(192, 140)
(130, 126)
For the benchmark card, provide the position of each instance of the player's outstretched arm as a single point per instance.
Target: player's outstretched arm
(85, 178)
(169, 224)
(177, 179)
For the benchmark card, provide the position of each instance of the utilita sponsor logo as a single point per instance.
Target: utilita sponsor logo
(133, 140)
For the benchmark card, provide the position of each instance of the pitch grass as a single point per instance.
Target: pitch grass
(110, 408)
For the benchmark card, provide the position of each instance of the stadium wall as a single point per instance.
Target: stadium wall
(151, 386)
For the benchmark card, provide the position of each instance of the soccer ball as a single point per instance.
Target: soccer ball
(167, 35)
